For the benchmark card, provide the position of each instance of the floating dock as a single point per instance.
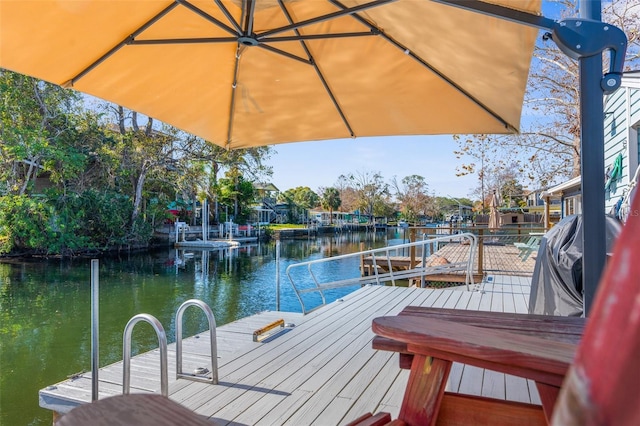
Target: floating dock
(322, 371)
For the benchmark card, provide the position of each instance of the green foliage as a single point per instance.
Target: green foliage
(412, 192)
(68, 224)
(72, 180)
(25, 223)
(331, 199)
(238, 194)
(36, 119)
(299, 200)
(96, 219)
(301, 196)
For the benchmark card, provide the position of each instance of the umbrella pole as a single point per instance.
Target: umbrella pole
(592, 164)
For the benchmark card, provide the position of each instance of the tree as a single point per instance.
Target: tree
(144, 151)
(371, 190)
(412, 193)
(348, 195)
(330, 200)
(37, 122)
(299, 199)
(238, 193)
(549, 144)
(213, 159)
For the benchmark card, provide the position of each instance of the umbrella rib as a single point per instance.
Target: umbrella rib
(343, 12)
(226, 13)
(430, 67)
(120, 45)
(287, 54)
(301, 37)
(320, 75)
(502, 12)
(206, 16)
(186, 40)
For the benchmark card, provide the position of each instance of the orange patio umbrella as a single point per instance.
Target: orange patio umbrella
(243, 73)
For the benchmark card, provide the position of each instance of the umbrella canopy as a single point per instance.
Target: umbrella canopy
(244, 73)
(494, 215)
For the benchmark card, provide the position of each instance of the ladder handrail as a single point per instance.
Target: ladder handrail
(422, 270)
(126, 352)
(212, 341)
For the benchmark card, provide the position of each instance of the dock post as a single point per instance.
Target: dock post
(480, 251)
(278, 274)
(95, 341)
(412, 249)
(412, 253)
(362, 272)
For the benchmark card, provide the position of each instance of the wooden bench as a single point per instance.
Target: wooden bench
(593, 382)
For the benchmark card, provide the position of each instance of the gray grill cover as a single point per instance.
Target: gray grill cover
(556, 286)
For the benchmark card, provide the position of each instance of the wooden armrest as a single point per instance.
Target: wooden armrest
(386, 344)
(531, 357)
(563, 329)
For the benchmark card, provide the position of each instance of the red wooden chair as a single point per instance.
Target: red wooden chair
(595, 382)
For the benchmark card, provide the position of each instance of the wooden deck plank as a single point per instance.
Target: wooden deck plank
(517, 389)
(464, 299)
(508, 303)
(455, 377)
(486, 297)
(471, 381)
(533, 392)
(493, 385)
(292, 356)
(333, 376)
(452, 300)
(393, 399)
(377, 390)
(270, 417)
(496, 300)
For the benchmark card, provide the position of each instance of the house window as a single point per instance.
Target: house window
(573, 205)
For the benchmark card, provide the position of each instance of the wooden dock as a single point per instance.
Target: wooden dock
(323, 371)
(489, 258)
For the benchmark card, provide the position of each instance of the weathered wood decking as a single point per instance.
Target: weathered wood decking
(321, 372)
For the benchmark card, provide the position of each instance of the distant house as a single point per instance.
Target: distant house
(621, 124)
(538, 205)
(568, 193)
(266, 191)
(267, 210)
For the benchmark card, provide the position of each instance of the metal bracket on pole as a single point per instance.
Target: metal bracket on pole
(582, 38)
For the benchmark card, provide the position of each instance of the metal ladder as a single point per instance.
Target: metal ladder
(201, 376)
(126, 352)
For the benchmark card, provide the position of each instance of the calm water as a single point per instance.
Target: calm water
(45, 330)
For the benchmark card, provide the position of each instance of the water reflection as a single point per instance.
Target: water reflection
(45, 306)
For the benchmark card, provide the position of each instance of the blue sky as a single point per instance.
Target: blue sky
(318, 164)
